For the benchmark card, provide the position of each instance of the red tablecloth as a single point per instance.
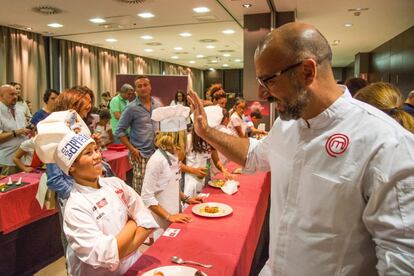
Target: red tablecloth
(119, 162)
(19, 206)
(228, 243)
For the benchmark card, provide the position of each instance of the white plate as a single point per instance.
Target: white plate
(173, 270)
(224, 210)
(212, 184)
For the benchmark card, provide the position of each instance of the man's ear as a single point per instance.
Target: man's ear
(72, 170)
(309, 71)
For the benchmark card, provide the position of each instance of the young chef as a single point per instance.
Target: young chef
(105, 221)
(161, 188)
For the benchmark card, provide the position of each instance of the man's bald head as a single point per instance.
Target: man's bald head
(8, 94)
(294, 42)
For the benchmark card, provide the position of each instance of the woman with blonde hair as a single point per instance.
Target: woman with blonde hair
(387, 98)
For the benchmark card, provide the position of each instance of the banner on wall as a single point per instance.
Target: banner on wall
(163, 87)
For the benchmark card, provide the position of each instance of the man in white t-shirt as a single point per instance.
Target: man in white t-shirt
(342, 172)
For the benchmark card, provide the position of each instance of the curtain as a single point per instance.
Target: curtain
(23, 60)
(195, 76)
(97, 67)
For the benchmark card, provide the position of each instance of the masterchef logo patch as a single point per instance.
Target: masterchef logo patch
(337, 144)
(101, 203)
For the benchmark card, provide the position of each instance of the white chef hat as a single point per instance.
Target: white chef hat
(214, 115)
(171, 118)
(60, 139)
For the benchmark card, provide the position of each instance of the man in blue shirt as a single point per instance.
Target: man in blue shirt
(49, 98)
(409, 103)
(137, 117)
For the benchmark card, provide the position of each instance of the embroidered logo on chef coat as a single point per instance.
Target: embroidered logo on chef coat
(121, 194)
(337, 144)
(101, 203)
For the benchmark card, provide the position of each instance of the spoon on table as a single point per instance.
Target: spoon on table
(178, 260)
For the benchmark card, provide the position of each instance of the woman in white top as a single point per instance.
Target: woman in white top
(105, 220)
(237, 124)
(24, 154)
(179, 99)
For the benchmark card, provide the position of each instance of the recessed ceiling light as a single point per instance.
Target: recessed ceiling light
(148, 50)
(146, 15)
(201, 9)
(228, 31)
(55, 25)
(192, 61)
(111, 40)
(210, 46)
(185, 34)
(336, 41)
(178, 48)
(348, 25)
(174, 57)
(211, 69)
(247, 6)
(199, 56)
(28, 28)
(237, 60)
(214, 61)
(97, 20)
(226, 55)
(225, 65)
(146, 37)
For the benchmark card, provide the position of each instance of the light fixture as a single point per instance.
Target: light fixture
(178, 48)
(55, 25)
(146, 15)
(201, 9)
(148, 50)
(174, 57)
(214, 61)
(228, 31)
(348, 25)
(111, 40)
(225, 65)
(335, 42)
(97, 20)
(199, 56)
(226, 55)
(247, 6)
(146, 37)
(185, 34)
(212, 69)
(237, 60)
(210, 46)
(192, 61)
(28, 28)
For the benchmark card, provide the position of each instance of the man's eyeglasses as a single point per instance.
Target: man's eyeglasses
(264, 82)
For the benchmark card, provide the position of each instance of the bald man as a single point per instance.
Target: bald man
(342, 172)
(12, 128)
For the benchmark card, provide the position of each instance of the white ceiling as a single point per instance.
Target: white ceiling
(383, 20)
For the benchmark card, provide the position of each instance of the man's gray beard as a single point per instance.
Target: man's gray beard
(294, 110)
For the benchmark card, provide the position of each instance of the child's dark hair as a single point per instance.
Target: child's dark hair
(104, 114)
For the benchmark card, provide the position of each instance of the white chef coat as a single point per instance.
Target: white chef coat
(161, 186)
(93, 218)
(237, 121)
(351, 213)
(192, 184)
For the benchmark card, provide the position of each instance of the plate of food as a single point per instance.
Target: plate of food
(174, 270)
(212, 209)
(216, 183)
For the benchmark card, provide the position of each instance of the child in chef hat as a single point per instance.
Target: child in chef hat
(105, 221)
(161, 187)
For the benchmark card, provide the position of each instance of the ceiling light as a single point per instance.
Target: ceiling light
(146, 37)
(28, 28)
(146, 15)
(199, 56)
(174, 57)
(237, 60)
(55, 25)
(226, 55)
(214, 61)
(97, 20)
(211, 69)
(210, 46)
(185, 34)
(192, 61)
(348, 25)
(178, 48)
(111, 40)
(247, 6)
(225, 65)
(228, 31)
(148, 50)
(201, 9)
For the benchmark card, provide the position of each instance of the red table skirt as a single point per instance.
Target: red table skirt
(119, 162)
(228, 243)
(19, 207)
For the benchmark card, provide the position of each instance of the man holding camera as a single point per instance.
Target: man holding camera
(12, 129)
